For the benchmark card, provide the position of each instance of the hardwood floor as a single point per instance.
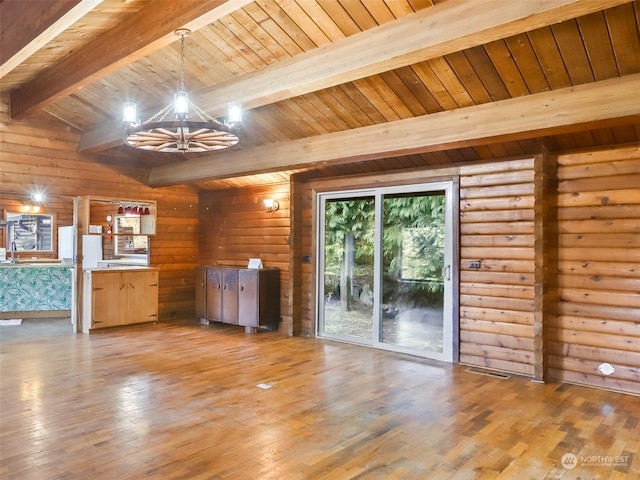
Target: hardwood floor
(182, 401)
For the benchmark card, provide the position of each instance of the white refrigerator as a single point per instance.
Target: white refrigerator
(91, 247)
(66, 242)
(91, 251)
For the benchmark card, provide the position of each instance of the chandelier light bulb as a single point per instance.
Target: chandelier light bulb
(234, 113)
(181, 105)
(129, 112)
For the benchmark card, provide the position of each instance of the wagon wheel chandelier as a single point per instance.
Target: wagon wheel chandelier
(182, 135)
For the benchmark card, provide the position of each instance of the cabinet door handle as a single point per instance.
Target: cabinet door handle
(123, 285)
(202, 285)
(132, 286)
(241, 288)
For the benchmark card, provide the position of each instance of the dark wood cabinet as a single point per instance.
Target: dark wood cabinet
(238, 296)
(229, 304)
(259, 298)
(213, 299)
(201, 294)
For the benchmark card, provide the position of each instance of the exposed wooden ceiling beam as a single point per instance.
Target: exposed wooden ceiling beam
(25, 27)
(429, 33)
(591, 105)
(139, 35)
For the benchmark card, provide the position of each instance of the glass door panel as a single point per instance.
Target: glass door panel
(347, 263)
(413, 256)
(384, 277)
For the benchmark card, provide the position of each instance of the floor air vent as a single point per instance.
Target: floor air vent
(488, 373)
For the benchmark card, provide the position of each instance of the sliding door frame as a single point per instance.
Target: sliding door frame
(452, 197)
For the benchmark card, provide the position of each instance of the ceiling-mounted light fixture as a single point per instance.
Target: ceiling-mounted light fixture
(38, 197)
(182, 135)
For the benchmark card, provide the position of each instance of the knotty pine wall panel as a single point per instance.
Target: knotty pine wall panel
(42, 156)
(235, 226)
(497, 300)
(597, 317)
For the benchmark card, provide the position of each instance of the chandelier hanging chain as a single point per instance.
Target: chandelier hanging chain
(182, 35)
(204, 116)
(160, 115)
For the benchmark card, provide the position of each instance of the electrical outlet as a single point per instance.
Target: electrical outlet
(475, 264)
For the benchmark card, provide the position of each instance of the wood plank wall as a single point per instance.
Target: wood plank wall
(235, 226)
(38, 155)
(497, 299)
(597, 318)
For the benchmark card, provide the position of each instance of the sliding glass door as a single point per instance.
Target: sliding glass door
(385, 262)
(348, 268)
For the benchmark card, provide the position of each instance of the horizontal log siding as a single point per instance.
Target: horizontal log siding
(598, 313)
(304, 292)
(235, 226)
(38, 155)
(298, 267)
(497, 301)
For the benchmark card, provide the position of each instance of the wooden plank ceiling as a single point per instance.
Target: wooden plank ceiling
(305, 71)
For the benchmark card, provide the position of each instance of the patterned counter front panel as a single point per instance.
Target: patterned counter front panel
(28, 288)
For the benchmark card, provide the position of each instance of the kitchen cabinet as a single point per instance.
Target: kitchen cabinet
(115, 297)
(239, 296)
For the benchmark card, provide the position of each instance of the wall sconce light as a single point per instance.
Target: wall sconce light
(28, 208)
(271, 205)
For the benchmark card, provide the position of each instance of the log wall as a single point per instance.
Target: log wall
(497, 300)
(597, 317)
(235, 226)
(42, 156)
(557, 291)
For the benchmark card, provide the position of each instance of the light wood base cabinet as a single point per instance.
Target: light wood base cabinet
(119, 297)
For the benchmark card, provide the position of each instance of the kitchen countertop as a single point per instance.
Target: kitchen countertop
(119, 268)
(37, 264)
